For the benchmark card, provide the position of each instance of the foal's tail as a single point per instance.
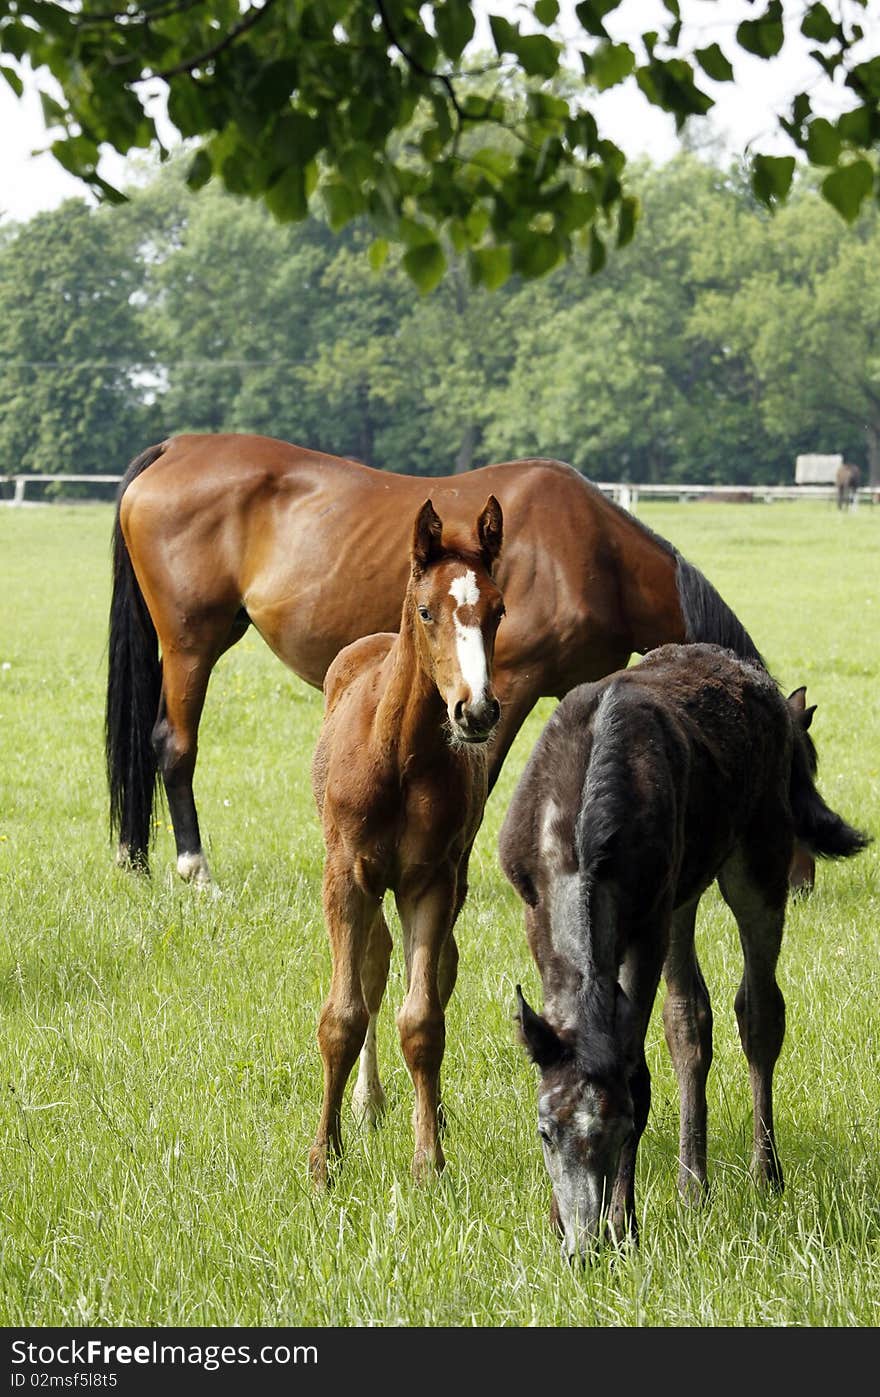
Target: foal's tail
(823, 832)
(134, 686)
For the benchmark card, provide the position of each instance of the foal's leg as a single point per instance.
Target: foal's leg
(639, 977)
(368, 1098)
(426, 918)
(759, 909)
(687, 1022)
(349, 914)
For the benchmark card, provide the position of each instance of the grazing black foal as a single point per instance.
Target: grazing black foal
(642, 789)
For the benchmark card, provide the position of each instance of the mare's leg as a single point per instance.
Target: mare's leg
(185, 675)
(349, 913)
(368, 1098)
(759, 908)
(639, 977)
(687, 1022)
(426, 916)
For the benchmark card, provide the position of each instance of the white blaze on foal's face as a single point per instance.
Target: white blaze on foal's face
(469, 638)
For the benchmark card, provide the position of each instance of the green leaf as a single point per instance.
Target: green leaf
(536, 254)
(714, 64)
(286, 197)
(378, 253)
(538, 55)
(15, 81)
(597, 252)
(77, 154)
(546, 11)
(187, 107)
(771, 177)
(817, 24)
(847, 187)
(823, 144)
(425, 265)
(763, 37)
(341, 202)
(490, 266)
(859, 127)
(53, 113)
(626, 220)
(200, 170)
(454, 22)
(610, 64)
(591, 13)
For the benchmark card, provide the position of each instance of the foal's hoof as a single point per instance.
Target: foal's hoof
(427, 1165)
(318, 1167)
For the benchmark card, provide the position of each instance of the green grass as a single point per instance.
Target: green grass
(160, 1078)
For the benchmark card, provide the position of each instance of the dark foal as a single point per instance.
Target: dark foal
(642, 789)
(401, 778)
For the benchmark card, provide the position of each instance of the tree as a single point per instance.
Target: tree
(71, 349)
(380, 108)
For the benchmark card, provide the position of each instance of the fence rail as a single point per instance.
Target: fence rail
(626, 495)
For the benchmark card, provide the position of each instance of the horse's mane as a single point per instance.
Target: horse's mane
(707, 617)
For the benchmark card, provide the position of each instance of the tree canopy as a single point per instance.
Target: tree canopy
(716, 347)
(381, 109)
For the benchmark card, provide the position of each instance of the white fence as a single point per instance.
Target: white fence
(626, 495)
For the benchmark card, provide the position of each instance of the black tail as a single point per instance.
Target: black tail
(823, 832)
(134, 686)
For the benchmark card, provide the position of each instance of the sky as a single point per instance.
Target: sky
(744, 114)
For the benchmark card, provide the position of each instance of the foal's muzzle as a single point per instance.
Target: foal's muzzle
(475, 722)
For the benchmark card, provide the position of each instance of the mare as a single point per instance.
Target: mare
(642, 789)
(847, 482)
(214, 533)
(400, 776)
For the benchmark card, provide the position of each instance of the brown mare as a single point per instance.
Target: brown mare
(847, 481)
(641, 790)
(215, 533)
(400, 776)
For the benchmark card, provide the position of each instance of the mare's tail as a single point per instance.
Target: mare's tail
(824, 833)
(134, 686)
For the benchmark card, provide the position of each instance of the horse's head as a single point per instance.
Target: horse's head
(457, 611)
(585, 1117)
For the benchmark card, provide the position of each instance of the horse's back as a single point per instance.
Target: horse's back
(314, 549)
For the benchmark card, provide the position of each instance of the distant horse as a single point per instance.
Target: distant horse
(640, 791)
(400, 777)
(847, 481)
(214, 533)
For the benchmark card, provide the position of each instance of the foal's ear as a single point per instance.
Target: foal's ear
(490, 529)
(427, 535)
(797, 702)
(538, 1037)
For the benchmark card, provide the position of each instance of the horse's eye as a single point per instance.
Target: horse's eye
(544, 1134)
(502, 611)
(425, 614)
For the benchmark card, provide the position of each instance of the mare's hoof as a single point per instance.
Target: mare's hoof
(427, 1164)
(193, 868)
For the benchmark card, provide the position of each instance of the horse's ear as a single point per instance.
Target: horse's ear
(797, 703)
(490, 530)
(427, 535)
(538, 1037)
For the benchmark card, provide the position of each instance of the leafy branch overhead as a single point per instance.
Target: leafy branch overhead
(383, 111)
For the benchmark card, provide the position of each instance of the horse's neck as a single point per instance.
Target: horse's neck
(410, 714)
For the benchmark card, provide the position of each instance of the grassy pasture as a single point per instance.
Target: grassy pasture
(159, 1075)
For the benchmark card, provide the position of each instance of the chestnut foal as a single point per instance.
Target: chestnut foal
(400, 776)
